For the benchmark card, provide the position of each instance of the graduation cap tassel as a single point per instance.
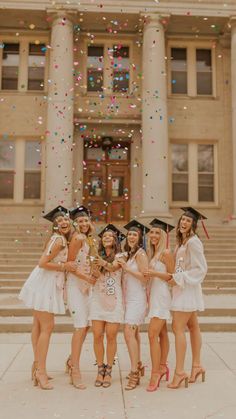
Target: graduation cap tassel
(167, 237)
(205, 229)
(144, 239)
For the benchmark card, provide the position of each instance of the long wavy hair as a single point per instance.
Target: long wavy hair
(116, 248)
(161, 247)
(191, 232)
(127, 248)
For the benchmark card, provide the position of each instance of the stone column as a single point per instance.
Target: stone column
(59, 133)
(233, 95)
(154, 121)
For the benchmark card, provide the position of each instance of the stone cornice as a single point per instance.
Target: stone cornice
(217, 8)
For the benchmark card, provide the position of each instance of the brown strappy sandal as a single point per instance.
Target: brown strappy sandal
(101, 372)
(107, 373)
(134, 379)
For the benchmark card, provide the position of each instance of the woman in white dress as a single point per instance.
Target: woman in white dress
(161, 262)
(43, 291)
(135, 297)
(187, 299)
(78, 288)
(106, 306)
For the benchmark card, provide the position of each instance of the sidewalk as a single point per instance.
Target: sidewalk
(216, 398)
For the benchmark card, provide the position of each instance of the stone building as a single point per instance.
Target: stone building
(126, 106)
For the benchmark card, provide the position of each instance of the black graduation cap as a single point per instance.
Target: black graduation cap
(191, 212)
(56, 212)
(137, 224)
(111, 227)
(161, 224)
(196, 215)
(76, 212)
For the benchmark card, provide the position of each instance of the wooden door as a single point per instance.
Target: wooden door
(106, 190)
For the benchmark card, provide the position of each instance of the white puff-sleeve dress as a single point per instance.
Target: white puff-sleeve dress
(135, 296)
(78, 290)
(159, 294)
(106, 302)
(44, 289)
(190, 271)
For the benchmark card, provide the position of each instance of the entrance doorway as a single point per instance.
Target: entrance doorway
(107, 180)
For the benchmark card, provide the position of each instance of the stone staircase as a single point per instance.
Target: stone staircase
(21, 247)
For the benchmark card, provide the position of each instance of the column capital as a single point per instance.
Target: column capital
(155, 20)
(63, 14)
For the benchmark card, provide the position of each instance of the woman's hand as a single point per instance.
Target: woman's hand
(71, 266)
(122, 264)
(91, 280)
(147, 273)
(98, 261)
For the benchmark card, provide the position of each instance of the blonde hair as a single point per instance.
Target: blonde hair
(161, 247)
(77, 228)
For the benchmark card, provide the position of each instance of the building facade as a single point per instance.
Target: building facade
(128, 107)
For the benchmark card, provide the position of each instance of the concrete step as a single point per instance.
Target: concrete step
(14, 275)
(63, 324)
(216, 291)
(17, 268)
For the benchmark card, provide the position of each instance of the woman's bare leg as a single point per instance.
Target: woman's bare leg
(196, 341)
(165, 347)
(77, 341)
(154, 329)
(132, 345)
(35, 334)
(111, 335)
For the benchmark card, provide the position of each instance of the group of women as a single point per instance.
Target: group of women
(104, 285)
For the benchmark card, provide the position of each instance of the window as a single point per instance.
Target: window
(191, 70)
(204, 72)
(179, 70)
(179, 172)
(205, 173)
(10, 66)
(7, 166)
(95, 69)
(32, 182)
(36, 65)
(196, 182)
(120, 68)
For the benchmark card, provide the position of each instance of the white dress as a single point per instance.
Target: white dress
(160, 295)
(106, 299)
(44, 289)
(135, 297)
(78, 290)
(190, 271)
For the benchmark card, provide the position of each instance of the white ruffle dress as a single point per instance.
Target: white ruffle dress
(135, 297)
(44, 289)
(78, 290)
(160, 295)
(190, 271)
(106, 298)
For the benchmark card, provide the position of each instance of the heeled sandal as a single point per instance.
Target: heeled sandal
(101, 372)
(182, 378)
(154, 386)
(108, 370)
(33, 369)
(75, 378)
(41, 380)
(140, 369)
(134, 379)
(201, 371)
(68, 365)
(166, 373)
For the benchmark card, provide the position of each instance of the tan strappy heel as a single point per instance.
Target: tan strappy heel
(134, 379)
(41, 380)
(75, 378)
(199, 371)
(182, 378)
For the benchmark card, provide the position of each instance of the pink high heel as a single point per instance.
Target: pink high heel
(166, 373)
(154, 387)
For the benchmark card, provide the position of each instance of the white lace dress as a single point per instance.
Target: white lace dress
(106, 299)
(135, 297)
(160, 295)
(44, 289)
(190, 271)
(78, 290)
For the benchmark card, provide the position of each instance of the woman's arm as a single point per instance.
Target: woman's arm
(50, 253)
(74, 247)
(198, 265)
